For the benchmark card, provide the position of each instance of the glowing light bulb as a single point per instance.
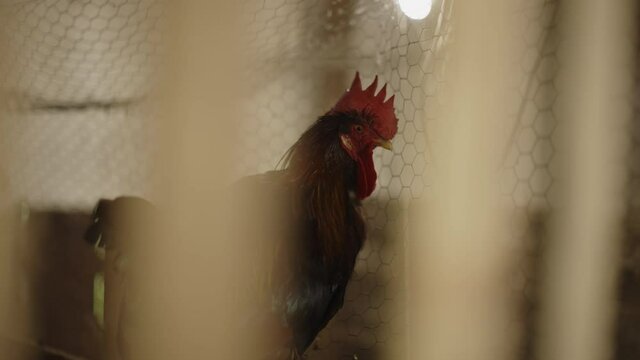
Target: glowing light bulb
(416, 9)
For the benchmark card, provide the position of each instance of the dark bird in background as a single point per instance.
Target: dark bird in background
(318, 191)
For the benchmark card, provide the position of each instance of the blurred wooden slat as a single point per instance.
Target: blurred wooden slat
(595, 80)
(461, 305)
(8, 314)
(184, 270)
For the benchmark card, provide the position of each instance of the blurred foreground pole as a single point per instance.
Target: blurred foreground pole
(5, 236)
(185, 308)
(462, 306)
(10, 328)
(594, 108)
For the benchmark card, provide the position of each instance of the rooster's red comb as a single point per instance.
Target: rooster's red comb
(385, 122)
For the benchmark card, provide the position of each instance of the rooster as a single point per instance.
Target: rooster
(322, 179)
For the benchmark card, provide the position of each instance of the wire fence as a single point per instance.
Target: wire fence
(78, 73)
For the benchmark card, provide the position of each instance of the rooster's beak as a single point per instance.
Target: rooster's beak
(385, 144)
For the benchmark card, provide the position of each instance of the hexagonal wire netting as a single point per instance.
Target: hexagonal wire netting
(79, 70)
(299, 76)
(75, 74)
(374, 37)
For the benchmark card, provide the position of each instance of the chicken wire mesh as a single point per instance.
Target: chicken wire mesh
(79, 71)
(376, 38)
(75, 74)
(339, 38)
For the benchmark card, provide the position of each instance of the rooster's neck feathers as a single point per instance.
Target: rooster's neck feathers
(323, 175)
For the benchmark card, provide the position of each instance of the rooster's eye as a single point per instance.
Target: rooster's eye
(358, 128)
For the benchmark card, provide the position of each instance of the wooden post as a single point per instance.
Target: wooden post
(182, 272)
(12, 321)
(594, 107)
(461, 304)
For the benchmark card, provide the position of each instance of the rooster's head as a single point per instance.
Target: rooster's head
(370, 118)
(367, 121)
